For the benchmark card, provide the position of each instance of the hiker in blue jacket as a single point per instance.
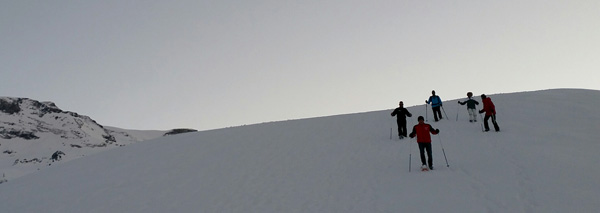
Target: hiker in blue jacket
(436, 103)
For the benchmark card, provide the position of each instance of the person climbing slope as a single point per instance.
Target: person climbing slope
(436, 103)
(490, 112)
(401, 113)
(421, 131)
(471, 107)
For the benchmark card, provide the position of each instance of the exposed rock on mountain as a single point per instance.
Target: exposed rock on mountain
(36, 134)
(179, 131)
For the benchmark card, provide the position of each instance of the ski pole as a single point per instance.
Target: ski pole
(448, 165)
(391, 127)
(410, 151)
(445, 112)
(481, 116)
(426, 119)
(457, 108)
(409, 155)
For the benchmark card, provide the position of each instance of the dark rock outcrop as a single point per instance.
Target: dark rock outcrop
(10, 134)
(179, 131)
(10, 107)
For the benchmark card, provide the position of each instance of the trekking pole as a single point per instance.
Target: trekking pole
(448, 165)
(445, 112)
(391, 127)
(409, 155)
(481, 116)
(426, 113)
(457, 108)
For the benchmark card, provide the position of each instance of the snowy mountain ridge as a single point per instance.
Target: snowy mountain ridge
(543, 160)
(36, 134)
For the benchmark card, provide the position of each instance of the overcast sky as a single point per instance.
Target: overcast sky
(220, 63)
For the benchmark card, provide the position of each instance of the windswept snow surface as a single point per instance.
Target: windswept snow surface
(544, 160)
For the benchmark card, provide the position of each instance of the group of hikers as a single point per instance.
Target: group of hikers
(422, 130)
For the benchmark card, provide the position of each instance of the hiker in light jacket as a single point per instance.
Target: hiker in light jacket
(471, 107)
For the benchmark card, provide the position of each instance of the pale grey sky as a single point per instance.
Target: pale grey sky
(220, 63)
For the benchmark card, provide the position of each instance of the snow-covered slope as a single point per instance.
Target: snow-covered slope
(34, 135)
(544, 160)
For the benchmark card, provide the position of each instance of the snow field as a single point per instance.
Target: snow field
(543, 161)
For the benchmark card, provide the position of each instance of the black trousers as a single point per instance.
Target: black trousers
(422, 148)
(485, 122)
(436, 112)
(401, 128)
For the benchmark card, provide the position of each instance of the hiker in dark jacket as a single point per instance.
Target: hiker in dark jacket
(471, 107)
(401, 113)
(490, 112)
(436, 103)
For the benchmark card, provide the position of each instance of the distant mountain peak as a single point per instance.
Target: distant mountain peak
(32, 132)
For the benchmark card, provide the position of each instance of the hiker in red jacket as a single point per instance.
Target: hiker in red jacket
(490, 112)
(422, 131)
